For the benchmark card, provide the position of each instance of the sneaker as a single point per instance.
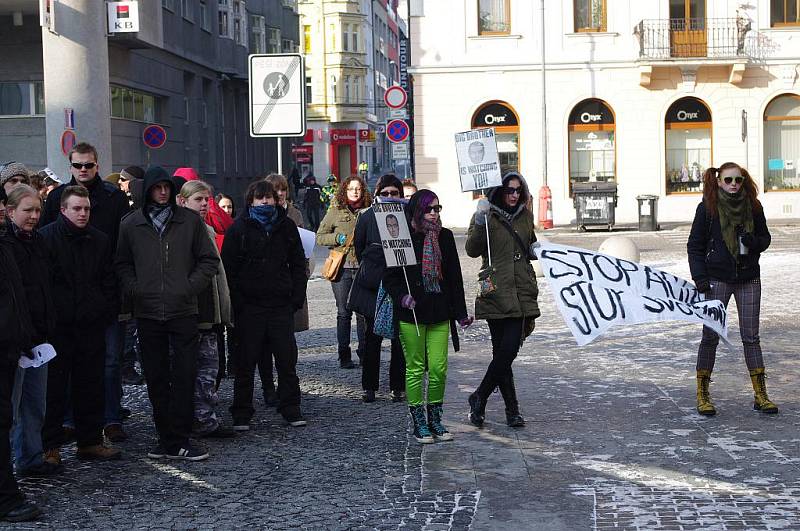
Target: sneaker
(398, 396)
(295, 418)
(115, 433)
(157, 452)
(24, 512)
(368, 396)
(221, 432)
(98, 452)
(53, 456)
(188, 453)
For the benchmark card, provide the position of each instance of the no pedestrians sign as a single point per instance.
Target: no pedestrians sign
(277, 95)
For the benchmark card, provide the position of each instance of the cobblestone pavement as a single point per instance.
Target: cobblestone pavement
(612, 440)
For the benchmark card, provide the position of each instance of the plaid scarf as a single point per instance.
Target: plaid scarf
(159, 215)
(431, 256)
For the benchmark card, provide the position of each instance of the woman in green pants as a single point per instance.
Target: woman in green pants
(437, 294)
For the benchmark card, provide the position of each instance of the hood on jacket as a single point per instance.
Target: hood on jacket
(153, 176)
(217, 218)
(495, 195)
(187, 173)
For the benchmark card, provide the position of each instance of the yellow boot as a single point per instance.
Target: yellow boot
(761, 401)
(704, 405)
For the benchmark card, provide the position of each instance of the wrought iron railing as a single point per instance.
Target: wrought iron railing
(679, 38)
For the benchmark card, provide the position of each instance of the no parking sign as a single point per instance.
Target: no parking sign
(154, 136)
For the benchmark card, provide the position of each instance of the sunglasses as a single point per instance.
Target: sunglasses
(435, 208)
(510, 190)
(738, 178)
(87, 165)
(386, 193)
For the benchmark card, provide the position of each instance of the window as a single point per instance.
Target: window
(239, 23)
(356, 89)
(168, 4)
(130, 104)
(784, 13)
(273, 40)
(225, 18)
(592, 151)
(347, 89)
(590, 15)
(186, 110)
(493, 17)
(354, 36)
(204, 16)
(309, 86)
(22, 99)
(287, 46)
(332, 33)
(782, 143)
(688, 145)
(345, 37)
(307, 39)
(258, 37)
(187, 10)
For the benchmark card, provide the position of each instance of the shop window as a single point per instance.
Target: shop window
(22, 99)
(130, 104)
(592, 143)
(688, 145)
(590, 15)
(784, 13)
(494, 17)
(782, 143)
(504, 119)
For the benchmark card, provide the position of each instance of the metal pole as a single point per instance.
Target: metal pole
(544, 104)
(280, 155)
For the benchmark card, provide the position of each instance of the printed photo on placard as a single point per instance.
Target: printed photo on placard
(395, 236)
(478, 163)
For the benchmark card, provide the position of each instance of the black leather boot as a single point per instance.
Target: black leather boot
(477, 401)
(509, 392)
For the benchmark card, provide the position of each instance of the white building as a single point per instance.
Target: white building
(646, 94)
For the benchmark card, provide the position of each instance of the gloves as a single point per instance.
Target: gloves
(466, 321)
(341, 238)
(481, 211)
(484, 205)
(408, 302)
(749, 240)
(533, 247)
(703, 286)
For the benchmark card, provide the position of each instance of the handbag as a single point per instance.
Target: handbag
(332, 268)
(486, 282)
(384, 315)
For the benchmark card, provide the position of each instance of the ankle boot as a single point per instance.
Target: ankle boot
(477, 401)
(438, 430)
(421, 432)
(509, 392)
(704, 405)
(761, 401)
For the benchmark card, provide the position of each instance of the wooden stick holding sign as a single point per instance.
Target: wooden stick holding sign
(396, 240)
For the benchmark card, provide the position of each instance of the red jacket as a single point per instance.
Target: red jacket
(217, 219)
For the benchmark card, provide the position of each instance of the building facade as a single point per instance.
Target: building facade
(186, 70)
(646, 95)
(350, 48)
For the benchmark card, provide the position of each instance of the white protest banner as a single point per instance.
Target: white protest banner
(309, 240)
(395, 236)
(595, 291)
(478, 163)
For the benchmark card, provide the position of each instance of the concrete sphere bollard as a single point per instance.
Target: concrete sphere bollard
(620, 247)
(537, 265)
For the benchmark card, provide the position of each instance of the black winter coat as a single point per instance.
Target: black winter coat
(372, 264)
(709, 257)
(84, 285)
(32, 261)
(109, 206)
(16, 329)
(265, 269)
(431, 308)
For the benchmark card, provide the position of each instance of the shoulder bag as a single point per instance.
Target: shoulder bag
(332, 268)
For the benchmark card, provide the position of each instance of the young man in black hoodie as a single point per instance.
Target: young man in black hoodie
(165, 259)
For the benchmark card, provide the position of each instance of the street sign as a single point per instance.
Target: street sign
(277, 95)
(69, 118)
(123, 17)
(154, 136)
(397, 131)
(395, 97)
(68, 141)
(398, 114)
(401, 151)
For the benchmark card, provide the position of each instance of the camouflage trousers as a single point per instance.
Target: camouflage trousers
(205, 394)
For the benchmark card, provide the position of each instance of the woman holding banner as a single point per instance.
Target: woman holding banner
(364, 295)
(435, 288)
(729, 233)
(336, 232)
(501, 233)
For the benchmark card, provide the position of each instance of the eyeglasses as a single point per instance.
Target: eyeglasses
(387, 193)
(510, 190)
(87, 165)
(738, 178)
(434, 208)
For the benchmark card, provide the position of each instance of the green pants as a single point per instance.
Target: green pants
(432, 341)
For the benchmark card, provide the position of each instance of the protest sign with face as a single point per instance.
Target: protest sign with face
(395, 236)
(478, 163)
(595, 291)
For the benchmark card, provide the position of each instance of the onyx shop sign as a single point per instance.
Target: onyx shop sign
(495, 115)
(591, 112)
(688, 110)
(123, 17)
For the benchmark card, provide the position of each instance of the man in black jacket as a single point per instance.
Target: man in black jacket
(15, 337)
(164, 260)
(84, 293)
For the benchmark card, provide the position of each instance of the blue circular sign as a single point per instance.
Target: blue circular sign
(154, 136)
(397, 131)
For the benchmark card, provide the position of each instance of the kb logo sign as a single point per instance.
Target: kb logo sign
(123, 17)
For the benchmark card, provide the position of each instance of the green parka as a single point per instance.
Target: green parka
(338, 220)
(517, 291)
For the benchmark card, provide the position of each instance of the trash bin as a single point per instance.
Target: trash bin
(595, 204)
(648, 212)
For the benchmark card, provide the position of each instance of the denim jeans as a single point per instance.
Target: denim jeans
(29, 402)
(344, 317)
(115, 337)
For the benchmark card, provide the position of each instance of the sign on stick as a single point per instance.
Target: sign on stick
(395, 236)
(478, 163)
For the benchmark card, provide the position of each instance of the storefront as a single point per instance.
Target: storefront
(504, 119)
(688, 138)
(344, 154)
(782, 144)
(592, 143)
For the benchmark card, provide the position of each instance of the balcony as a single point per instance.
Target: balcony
(691, 39)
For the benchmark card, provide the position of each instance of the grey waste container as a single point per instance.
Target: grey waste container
(595, 204)
(648, 212)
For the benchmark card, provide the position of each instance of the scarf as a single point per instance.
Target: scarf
(159, 215)
(265, 215)
(431, 256)
(23, 235)
(734, 211)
